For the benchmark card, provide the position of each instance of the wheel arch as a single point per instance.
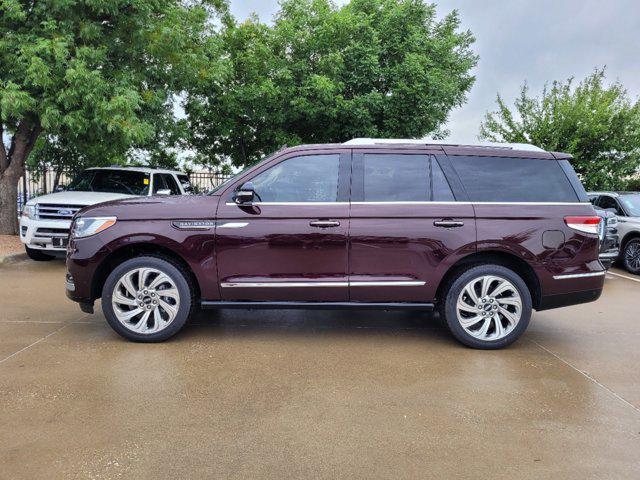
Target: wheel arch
(496, 257)
(126, 252)
(629, 236)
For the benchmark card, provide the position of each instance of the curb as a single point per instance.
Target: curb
(12, 258)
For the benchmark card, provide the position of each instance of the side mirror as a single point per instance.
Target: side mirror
(245, 194)
(164, 191)
(60, 188)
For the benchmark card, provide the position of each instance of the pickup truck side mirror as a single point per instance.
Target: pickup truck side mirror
(164, 191)
(245, 194)
(60, 188)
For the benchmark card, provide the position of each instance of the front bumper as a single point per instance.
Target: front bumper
(50, 235)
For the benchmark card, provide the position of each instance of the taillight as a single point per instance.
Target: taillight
(584, 224)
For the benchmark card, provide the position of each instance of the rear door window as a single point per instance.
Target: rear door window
(396, 178)
(441, 191)
(403, 178)
(505, 179)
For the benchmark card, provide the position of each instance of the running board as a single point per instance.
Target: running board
(318, 305)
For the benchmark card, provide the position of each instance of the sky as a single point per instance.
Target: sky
(536, 40)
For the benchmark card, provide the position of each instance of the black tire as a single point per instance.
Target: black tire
(177, 275)
(38, 255)
(629, 253)
(448, 309)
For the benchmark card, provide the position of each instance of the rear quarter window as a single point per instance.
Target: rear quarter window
(506, 179)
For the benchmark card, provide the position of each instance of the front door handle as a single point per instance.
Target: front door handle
(324, 223)
(448, 223)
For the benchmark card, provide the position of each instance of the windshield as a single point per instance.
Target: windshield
(111, 181)
(631, 204)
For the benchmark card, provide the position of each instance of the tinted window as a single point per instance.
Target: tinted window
(441, 191)
(502, 179)
(310, 178)
(186, 183)
(158, 183)
(112, 181)
(171, 184)
(396, 178)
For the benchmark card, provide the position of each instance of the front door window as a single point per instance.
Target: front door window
(310, 178)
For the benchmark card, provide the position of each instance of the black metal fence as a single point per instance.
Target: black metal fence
(33, 185)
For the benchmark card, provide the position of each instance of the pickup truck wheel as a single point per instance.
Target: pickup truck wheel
(631, 256)
(147, 299)
(38, 255)
(487, 307)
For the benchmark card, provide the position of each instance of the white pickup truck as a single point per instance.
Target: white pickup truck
(45, 220)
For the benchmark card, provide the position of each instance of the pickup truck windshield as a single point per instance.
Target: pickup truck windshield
(111, 181)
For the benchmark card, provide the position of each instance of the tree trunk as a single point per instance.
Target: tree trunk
(11, 169)
(8, 204)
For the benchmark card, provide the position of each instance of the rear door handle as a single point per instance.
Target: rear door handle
(448, 223)
(324, 223)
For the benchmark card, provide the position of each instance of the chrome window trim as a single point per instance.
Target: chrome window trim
(579, 275)
(389, 283)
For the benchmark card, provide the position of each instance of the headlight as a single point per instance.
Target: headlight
(87, 226)
(29, 211)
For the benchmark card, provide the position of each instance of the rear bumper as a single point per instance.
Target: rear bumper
(567, 299)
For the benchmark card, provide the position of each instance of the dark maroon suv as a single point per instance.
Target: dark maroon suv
(484, 234)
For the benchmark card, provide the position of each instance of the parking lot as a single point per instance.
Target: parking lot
(314, 394)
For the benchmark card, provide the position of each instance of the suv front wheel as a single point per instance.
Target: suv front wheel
(487, 307)
(631, 256)
(147, 299)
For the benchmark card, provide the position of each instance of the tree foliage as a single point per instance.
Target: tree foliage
(92, 78)
(598, 124)
(375, 68)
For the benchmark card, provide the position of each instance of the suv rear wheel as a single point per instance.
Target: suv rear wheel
(147, 299)
(487, 307)
(631, 256)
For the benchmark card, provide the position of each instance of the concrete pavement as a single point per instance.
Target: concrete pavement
(314, 394)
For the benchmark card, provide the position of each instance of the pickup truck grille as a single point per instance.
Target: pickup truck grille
(47, 211)
(52, 232)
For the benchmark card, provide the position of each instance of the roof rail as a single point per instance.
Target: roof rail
(412, 141)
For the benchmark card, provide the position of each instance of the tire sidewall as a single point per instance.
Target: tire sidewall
(164, 266)
(624, 256)
(461, 281)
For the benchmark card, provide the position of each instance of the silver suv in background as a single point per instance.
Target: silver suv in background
(626, 206)
(45, 220)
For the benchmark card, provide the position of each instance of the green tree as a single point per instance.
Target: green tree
(96, 78)
(321, 73)
(598, 124)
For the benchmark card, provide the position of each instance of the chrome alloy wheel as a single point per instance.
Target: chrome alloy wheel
(632, 256)
(145, 300)
(489, 307)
